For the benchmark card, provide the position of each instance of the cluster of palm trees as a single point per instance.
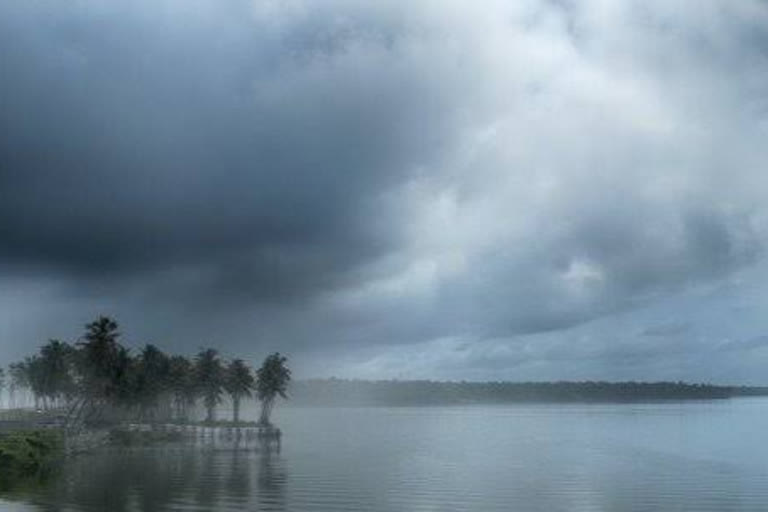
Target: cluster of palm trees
(98, 379)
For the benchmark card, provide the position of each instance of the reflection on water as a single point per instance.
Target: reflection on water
(271, 482)
(702, 456)
(193, 476)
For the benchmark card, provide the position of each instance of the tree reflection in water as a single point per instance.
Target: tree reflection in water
(213, 476)
(271, 481)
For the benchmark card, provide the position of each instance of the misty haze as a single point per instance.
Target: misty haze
(426, 255)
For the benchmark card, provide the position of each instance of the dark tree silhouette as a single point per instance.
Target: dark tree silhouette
(56, 360)
(239, 383)
(99, 381)
(152, 378)
(101, 360)
(33, 377)
(209, 373)
(104, 368)
(183, 386)
(271, 381)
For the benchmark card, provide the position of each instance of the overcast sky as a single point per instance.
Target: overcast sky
(522, 190)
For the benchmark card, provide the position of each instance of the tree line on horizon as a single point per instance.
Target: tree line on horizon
(97, 379)
(346, 392)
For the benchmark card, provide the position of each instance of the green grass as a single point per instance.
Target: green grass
(29, 452)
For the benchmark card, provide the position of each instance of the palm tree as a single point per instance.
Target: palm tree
(56, 360)
(105, 369)
(152, 376)
(18, 375)
(34, 376)
(271, 380)
(182, 383)
(101, 359)
(2, 384)
(239, 383)
(210, 380)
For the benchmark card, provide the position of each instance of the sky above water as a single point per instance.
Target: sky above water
(525, 190)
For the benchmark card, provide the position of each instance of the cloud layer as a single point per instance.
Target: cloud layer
(341, 178)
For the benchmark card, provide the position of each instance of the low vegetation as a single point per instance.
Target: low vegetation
(26, 453)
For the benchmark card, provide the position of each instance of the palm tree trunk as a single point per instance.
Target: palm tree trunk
(266, 409)
(236, 409)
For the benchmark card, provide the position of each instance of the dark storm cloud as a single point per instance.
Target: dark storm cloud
(136, 139)
(433, 179)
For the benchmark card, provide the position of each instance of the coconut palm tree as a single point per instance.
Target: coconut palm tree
(152, 376)
(182, 383)
(102, 360)
(56, 359)
(271, 381)
(239, 383)
(105, 371)
(209, 373)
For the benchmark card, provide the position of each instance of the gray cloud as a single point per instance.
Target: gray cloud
(131, 144)
(665, 330)
(343, 177)
(744, 345)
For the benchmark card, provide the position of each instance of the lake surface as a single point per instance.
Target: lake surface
(691, 456)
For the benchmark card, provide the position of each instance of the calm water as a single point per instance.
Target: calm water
(695, 456)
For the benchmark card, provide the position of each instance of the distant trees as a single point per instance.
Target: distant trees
(32, 367)
(271, 381)
(341, 392)
(98, 379)
(18, 381)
